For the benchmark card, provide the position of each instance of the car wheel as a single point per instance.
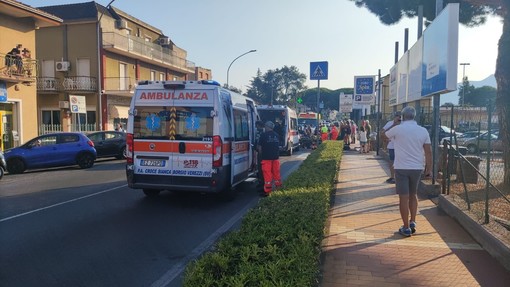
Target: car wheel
(122, 153)
(15, 165)
(151, 192)
(472, 148)
(85, 160)
(1, 172)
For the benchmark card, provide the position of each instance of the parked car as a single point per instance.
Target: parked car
(3, 165)
(481, 142)
(109, 143)
(465, 136)
(444, 132)
(51, 150)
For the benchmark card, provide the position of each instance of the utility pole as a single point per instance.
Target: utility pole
(464, 81)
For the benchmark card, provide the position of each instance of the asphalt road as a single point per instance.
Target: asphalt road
(74, 227)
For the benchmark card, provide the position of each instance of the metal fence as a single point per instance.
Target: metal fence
(473, 171)
(55, 128)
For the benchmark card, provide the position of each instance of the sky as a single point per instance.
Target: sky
(294, 33)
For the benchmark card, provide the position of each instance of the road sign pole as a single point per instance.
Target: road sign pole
(318, 100)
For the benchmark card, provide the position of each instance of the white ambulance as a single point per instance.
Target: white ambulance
(189, 136)
(286, 125)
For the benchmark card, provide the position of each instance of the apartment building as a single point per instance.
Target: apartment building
(19, 70)
(91, 64)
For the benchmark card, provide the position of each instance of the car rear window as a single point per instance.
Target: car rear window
(173, 123)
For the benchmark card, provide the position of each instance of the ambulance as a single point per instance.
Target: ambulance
(189, 136)
(286, 125)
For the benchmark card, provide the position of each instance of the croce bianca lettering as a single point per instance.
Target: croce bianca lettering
(173, 96)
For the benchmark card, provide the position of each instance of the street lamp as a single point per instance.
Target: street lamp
(463, 80)
(228, 70)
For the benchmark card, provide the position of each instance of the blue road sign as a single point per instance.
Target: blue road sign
(3, 92)
(364, 85)
(318, 70)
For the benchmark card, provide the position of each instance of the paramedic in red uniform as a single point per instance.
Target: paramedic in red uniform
(268, 147)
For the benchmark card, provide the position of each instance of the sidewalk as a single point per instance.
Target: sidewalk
(364, 248)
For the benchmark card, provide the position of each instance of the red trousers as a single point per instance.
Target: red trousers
(324, 136)
(271, 172)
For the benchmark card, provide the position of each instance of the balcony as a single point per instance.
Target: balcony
(47, 84)
(119, 85)
(80, 84)
(18, 70)
(155, 54)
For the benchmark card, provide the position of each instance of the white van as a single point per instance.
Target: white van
(189, 136)
(285, 120)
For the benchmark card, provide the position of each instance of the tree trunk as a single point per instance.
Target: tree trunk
(503, 95)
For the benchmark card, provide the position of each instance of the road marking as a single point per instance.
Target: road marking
(179, 267)
(61, 203)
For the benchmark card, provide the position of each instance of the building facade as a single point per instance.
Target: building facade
(96, 57)
(19, 72)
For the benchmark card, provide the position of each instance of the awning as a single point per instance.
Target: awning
(118, 111)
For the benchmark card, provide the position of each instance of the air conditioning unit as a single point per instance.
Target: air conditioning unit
(63, 104)
(63, 66)
(165, 41)
(121, 24)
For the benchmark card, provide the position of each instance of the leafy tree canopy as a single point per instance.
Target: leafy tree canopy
(279, 86)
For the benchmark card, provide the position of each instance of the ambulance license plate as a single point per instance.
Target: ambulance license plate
(152, 162)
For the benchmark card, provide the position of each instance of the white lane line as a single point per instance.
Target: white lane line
(179, 267)
(61, 203)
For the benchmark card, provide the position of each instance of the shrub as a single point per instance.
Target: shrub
(279, 241)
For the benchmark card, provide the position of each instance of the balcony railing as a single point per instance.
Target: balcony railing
(18, 68)
(80, 83)
(47, 84)
(145, 49)
(122, 84)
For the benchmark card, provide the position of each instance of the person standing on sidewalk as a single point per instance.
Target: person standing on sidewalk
(391, 151)
(413, 156)
(268, 147)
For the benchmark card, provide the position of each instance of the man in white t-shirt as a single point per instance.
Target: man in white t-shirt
(391, 151)
(413, 155)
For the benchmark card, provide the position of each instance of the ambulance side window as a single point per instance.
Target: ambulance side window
(241, 125)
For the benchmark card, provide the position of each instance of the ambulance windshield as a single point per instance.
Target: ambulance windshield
(173, 123)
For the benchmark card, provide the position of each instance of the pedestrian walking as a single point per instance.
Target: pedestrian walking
(413, 156)
(268, 147)
(390, 146)
(362, 140)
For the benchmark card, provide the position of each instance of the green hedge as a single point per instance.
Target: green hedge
(279, 241)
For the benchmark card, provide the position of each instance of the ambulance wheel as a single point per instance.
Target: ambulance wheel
(151, 192)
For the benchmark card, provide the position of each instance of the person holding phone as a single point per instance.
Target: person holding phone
(391, 151)
(413, 156)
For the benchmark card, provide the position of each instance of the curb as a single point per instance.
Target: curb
(495, 247)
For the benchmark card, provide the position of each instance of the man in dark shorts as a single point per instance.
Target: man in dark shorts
(413, 155)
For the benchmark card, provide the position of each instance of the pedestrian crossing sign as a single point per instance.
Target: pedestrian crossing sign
(318, 70)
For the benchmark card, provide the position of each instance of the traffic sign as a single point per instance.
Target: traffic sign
(319, 70)
(78, 104)
(364, 85)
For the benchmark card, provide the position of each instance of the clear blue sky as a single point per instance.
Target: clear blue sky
(294, 33)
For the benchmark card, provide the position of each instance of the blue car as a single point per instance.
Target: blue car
(51, 150)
